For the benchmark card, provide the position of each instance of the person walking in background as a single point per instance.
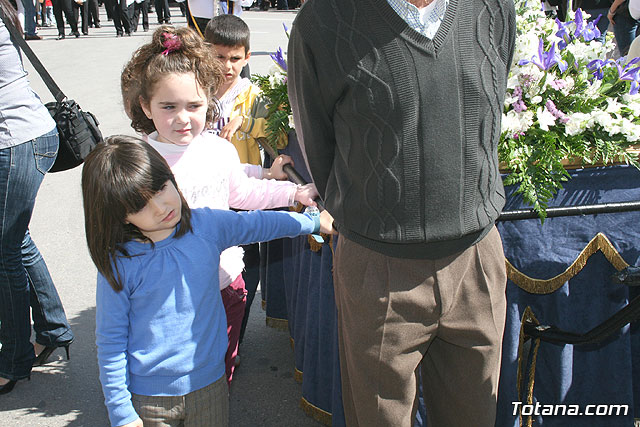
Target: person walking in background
(163, 12)
(397, 105)
(66, 7)
(30, 20)
(625, 27)
(28, 147)
(94, 14)
(81, 13)
(140, 7)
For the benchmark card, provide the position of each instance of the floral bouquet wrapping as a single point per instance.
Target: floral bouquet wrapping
(566, 100)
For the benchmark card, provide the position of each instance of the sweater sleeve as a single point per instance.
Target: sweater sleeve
(241, 228)
(112, 332)
(311, 111)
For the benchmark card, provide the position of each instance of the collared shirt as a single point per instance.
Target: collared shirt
(427, 20)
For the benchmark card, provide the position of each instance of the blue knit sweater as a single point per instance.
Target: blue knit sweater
(165, 333)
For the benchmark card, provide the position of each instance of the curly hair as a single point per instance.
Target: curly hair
(171, 50)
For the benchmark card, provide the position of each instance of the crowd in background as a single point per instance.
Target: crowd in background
(80, 15)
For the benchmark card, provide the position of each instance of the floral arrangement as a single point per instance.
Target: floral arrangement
(274, 90)
(566, 100)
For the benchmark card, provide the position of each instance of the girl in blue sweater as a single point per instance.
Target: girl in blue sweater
(160, 324)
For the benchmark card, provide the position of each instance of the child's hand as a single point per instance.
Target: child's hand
(275, 171)
(230, 128)
(326, 223)
(305, 194)
(136, 423)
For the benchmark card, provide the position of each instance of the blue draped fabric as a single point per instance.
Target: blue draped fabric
(598, 374)
(566, 374)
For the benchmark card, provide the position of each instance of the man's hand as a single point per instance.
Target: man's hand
(231, 128)
(305, 194)
(326, 223)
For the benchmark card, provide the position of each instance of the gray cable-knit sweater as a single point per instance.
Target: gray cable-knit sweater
(400, 132)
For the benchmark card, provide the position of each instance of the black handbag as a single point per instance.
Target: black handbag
(78, 130)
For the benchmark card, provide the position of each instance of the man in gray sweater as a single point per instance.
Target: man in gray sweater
(397, 104)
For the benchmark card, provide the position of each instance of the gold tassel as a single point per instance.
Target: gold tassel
(529, 317)
(316, 413)
(297, 375)
(540, 286)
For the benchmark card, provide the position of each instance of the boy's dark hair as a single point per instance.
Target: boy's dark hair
(119, 177)
(228, 30)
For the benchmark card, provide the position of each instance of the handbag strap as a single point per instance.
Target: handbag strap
(44, 74)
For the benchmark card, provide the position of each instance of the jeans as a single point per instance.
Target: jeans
(24, 277)
(29, 17)
(626, 29)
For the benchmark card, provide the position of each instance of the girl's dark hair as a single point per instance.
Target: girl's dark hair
(170, 51)
(11, 12)
(119, 177)
(228, 30)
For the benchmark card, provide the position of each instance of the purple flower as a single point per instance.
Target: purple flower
(286, 29)
(563, 33)
(589, 31)
(597, 66)
(551, 107)
(546, 59)
(278, 58)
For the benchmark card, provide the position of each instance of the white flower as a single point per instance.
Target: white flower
(536, 99)
(545, 118)
(577, 123)
(291, 123)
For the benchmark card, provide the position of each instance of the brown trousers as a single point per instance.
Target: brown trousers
(206, 407)
(394, 314)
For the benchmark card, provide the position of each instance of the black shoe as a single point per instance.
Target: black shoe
(60, 37)
(77, 34)
(48, 350)
(128, 34)
(86, 33)
(146, 29)
(97, 25)
(119, 33)
(10, 385)
(32, 37)
(168, 22)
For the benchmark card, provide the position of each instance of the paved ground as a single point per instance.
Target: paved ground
(63, 393)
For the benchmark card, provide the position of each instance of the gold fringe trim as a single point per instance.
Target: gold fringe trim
(293, 344)
(547, 286)
(527, 316)
(314, 412)
(280, 324)
(297, 375)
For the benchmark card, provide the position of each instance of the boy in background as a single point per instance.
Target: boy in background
(242, 119)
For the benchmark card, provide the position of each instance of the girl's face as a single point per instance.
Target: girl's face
(161, 214)
(178, 108)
